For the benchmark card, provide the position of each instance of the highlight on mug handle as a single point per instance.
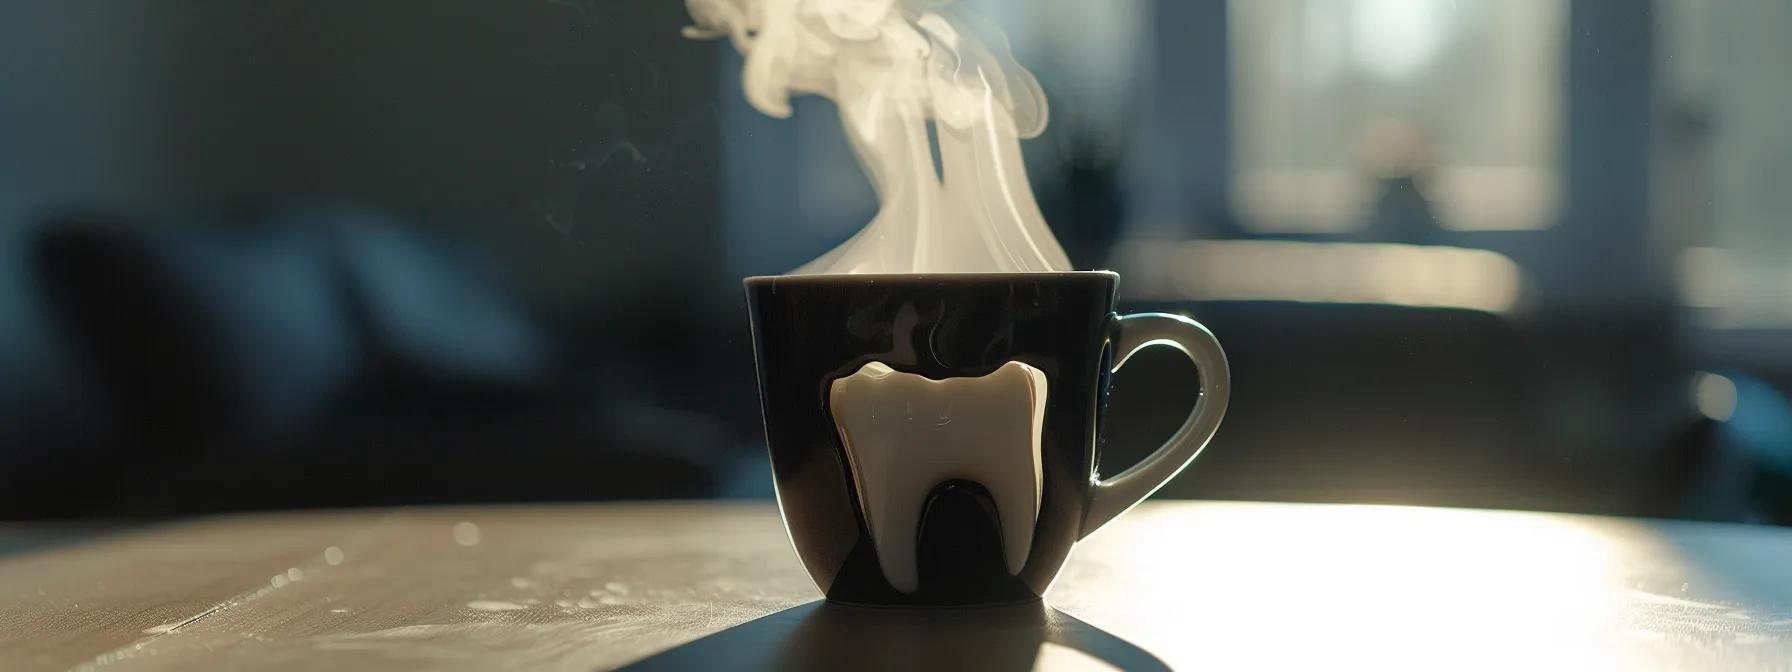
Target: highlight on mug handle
(1113, 496)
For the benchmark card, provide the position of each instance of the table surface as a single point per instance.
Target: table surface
(1192, 586)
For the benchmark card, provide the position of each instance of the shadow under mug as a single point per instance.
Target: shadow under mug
(990, 353)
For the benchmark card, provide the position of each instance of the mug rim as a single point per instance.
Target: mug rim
(872, 278)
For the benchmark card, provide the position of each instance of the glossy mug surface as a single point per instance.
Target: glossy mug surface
(934, 437)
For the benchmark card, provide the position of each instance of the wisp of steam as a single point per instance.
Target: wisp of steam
(909, 78)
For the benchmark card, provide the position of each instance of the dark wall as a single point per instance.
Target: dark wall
(351, 218)
(568, 134)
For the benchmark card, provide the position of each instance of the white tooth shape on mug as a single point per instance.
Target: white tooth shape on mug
(904, 434)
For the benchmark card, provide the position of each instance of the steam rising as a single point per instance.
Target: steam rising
(895, 68)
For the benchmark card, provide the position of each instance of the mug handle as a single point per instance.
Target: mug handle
(1111, 497)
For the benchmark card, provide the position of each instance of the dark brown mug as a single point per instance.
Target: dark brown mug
(934, 438)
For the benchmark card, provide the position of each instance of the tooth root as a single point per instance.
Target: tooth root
(894, 533)
(1014, 475)
(905, 434)
(1018, 510)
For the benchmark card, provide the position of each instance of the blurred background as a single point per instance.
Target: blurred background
(1530, 254)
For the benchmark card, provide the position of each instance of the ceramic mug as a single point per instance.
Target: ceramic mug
(934, 438)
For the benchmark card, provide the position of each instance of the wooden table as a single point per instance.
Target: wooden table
(1194, 586)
